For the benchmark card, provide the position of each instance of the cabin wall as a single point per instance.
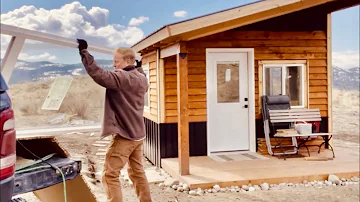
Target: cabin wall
(153, 110)
(296, 36)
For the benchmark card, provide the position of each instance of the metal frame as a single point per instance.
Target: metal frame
(19, 35)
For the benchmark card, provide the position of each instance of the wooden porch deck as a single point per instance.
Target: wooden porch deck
(205, 172)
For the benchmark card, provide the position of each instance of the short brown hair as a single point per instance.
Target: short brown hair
(127, 53)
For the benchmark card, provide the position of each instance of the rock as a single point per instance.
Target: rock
(210, 190)
(214, 191)
(355, 179)
(237, 189)
(346, 183)
(305, 182)
(337, 182)
(180, 189)
(282, 185)
(199, 193)
(169, 182)
(232, 190)
(175, 187)
(192, 193)
(290, 184)
(245, 187)
(251, 189)
(320, 183)
(168, 189)
(161, 185)
(81, 122)
(217, 187)
(186, 187)
(265, 186)
(328, 183)
(222, 190)
(343, 179)
(332, 178)
(351, 183)
(257, 187)
(307, 185)
(61, 118)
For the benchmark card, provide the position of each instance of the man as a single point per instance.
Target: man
(123, 119)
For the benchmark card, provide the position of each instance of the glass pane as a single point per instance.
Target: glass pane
(33, 78)
(227, 82)
(273, 84)
(293, 84)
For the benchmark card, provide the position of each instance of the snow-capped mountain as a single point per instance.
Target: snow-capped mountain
(347, 79)
(36, 71)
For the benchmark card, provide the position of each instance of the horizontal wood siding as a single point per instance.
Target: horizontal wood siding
(274, 39)
(153, 112)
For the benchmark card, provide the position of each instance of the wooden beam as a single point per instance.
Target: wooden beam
(254, 17)
(162, 91)
(329, 72)
(151, 39)
(232, 14)
(170, 50)
(183, 111)
(11, 55)
(224, 20)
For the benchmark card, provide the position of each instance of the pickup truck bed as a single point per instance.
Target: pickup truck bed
(40, 178)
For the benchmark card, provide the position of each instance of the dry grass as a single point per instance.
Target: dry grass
(84, 99)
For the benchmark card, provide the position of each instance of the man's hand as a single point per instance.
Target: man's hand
(82, 44)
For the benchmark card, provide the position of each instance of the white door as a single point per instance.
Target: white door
(227, 101)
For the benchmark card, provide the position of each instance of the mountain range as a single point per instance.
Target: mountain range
(346, 79)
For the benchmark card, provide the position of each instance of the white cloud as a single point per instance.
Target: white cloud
(41, 57)
(180, 14)
(347, 59)
(73, 20)
(138, 21)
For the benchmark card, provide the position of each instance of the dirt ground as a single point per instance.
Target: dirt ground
(80, 146)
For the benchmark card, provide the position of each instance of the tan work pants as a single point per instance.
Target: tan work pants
(120, 152)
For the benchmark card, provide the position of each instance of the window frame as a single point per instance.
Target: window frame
(146, 69)
(283, 67)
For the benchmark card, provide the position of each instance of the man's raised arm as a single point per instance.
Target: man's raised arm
(105, 78)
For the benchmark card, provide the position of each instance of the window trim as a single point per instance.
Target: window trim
(283, 66)
(146, 69)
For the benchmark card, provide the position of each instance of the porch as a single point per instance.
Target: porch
(207, 171)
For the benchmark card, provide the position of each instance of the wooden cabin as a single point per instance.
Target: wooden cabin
(207, 74)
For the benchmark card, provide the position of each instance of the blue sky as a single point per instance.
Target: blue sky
(119, 13)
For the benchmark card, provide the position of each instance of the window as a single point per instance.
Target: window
(147, 95)
(285, 79)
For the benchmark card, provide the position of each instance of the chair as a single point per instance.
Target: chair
(276, 102)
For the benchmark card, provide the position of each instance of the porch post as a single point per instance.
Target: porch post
(183, 110)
